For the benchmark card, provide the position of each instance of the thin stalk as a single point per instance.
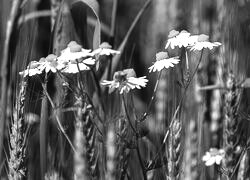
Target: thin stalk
(212, 87)
(43, 132)
(127, 115)
(144, 171)
(238, 163)
(152, 98)
(58, 121)
(113, 20)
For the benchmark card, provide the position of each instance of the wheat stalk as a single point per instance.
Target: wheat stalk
(80, 154)
(85, 140)
(231, 122)
(17, 169)
(122, 154)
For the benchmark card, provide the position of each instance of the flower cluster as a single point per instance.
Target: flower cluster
(192, 42)
(73, 59)
(214, 156)
(124, 82)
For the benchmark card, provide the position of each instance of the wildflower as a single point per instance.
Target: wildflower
(50, 63)
(163, 61)
(73, 51)
(32, 69)
(201, 42)
(74, 66)
(213, 156)
(124, 81)
(105, 49)
(176, 38)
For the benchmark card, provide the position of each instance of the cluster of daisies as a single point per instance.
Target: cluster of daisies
(75, 59)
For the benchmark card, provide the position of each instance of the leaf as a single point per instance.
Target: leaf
(94, 6)
(116, 58)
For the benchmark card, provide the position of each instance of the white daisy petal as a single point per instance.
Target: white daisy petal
(105, 49)
(210, 162)
(199, 42)
(164, 63)
(124, 81)
(89, 61)
(218, 159)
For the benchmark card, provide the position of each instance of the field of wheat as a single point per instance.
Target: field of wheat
(124, 90)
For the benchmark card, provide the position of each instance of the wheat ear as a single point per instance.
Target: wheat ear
(174, 148)
(231, 122)
(16, 161)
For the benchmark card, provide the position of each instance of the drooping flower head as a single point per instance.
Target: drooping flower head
(74, 51)
(176, 38)
(213, 156)
(199, 42)
(124, 81)
(163, 61)
(105, 49)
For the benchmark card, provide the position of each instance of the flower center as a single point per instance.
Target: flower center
(105, 45)
(72, 43)
(161, 56)
(50, 58)
(75, 48)
(203, 38)
(33, 65)
(173, 33)
(120, 76)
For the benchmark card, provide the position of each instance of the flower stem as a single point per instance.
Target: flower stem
(152, 98)
(126, 112)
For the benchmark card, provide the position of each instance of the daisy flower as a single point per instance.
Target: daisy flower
(124, 81)
(50, 63)
(176, 38)
(74, 51)
(202, 43)
(105, 49)
(32, 69)
(163, 61)
(213, 156)
(74, 66)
